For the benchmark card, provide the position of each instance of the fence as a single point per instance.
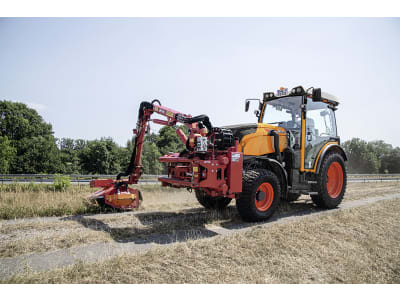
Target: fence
(75, 178)
(146, 178)
(373, 177)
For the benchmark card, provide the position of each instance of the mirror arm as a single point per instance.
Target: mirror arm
(247, 103)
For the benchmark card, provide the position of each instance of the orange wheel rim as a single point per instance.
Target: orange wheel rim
(334, 180)
(264, 196)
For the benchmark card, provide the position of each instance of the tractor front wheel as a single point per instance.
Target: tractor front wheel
(331, 182)
(260, 195)
(212, 202)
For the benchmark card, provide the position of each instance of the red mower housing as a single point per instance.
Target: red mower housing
(218, 173)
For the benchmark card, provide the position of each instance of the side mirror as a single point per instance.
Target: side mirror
(247, 104)
(316, 95)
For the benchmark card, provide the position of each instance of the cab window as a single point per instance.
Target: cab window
(320, 128)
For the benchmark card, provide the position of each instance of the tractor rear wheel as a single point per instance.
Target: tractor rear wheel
(212, 202)
(260, 195)
(331, 182)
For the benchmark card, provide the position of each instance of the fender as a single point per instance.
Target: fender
(279, 170)
(330, 148)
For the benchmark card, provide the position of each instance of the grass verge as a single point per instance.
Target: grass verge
(21, 202)
(360, 245)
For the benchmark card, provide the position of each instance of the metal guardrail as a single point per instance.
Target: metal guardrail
(74, 178)
(151, 178)
(373, 175)
(69, 175)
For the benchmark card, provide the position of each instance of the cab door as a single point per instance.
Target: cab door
(320, 128)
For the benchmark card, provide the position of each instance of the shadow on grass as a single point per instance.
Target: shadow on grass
(189, 224)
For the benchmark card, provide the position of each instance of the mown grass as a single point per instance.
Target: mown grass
(47, 243)
(41, 200)
(147, 223)
(360, 245)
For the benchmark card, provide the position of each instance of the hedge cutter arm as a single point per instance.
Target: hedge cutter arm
(117, 193)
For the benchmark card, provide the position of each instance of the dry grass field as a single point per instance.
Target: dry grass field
(360, 245)
(73, 201)
(357, 245)
(22, 203)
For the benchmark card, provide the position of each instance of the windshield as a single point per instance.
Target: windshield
(284, 112)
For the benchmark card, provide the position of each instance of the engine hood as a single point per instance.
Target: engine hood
(240, 130)
(255, 138)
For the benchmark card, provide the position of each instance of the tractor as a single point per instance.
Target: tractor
(292, 150)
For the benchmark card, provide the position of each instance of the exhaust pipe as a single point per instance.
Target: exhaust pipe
(276, 144)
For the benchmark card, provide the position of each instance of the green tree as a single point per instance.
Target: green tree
(37, 155)
(100, 157)
(17, 121)
(7, 154)
(123, 156)
(69, 155)
(169, 141)
(150, 156)
(361, 157)
(79, 144)
(382, 151)
(33, 139)
(392, 161)
(152, 138)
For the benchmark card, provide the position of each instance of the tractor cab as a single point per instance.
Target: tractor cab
(295, 139)
(307, 118)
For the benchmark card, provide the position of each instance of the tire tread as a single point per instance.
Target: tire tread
(323, 199)
(245, 205)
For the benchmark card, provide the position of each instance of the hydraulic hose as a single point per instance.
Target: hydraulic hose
(201, 118)
(143, 106)
(131, 163)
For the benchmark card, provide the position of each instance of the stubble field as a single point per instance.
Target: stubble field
(360, 244)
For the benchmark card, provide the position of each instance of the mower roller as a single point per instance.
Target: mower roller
(259, 164)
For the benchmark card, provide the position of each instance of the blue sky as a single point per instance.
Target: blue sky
(87, 76)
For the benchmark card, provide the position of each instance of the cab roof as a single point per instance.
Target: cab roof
(299, 91)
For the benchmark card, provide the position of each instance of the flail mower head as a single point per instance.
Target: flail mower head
(115, 194)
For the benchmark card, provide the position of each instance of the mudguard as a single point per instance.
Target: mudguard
(330, 148)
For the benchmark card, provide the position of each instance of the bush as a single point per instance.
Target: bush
(61, 183)
(32, 187)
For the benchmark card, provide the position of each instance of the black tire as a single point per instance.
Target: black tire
(292, 197)
(209, 202)
(326, 199)
(246, 203)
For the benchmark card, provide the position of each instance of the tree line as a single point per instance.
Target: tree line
(371, 157)
(28, 146)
